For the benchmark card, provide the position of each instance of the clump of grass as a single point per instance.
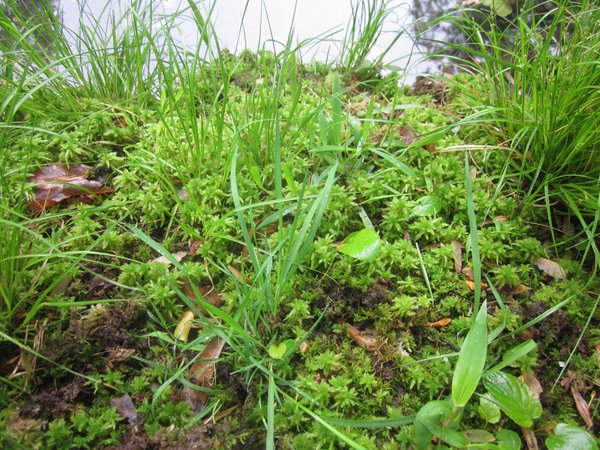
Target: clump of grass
(362, 33)
(537, 81)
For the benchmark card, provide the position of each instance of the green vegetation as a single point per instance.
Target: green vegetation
(220, 250)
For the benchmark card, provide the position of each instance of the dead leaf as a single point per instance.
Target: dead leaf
(163, 259)
(518, 289)
(208, 293)
(58, 182)
(494, 220)
(439, 323)
(124, 405)
(534, 384)
(471, 285)
(407, 135)
(194, 246)
(550, 268)
(119, 354)
(362, 339)
(21, 426)
(203, 372)
(473, 173)
(182, 194)
(457, 256)
(468, 272)
(530, 438)
(221, 415)
(119, 121)
(582, 408)
(236, 273)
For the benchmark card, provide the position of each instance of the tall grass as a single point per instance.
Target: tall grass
(363, 30)
(539, 79)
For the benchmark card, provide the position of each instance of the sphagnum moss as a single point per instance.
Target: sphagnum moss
(240, 176)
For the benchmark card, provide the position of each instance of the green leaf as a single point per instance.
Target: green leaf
(514, 397)
(432, 416)
(502, 8)
(508, 440)
(479, 436)
(488, 410)
(255, 174)
(568, 437)
(277, 351)
(513, 355)
(471, 360)
(363, 244)
(427, 206)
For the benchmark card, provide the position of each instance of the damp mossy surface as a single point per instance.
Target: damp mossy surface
(104, 327)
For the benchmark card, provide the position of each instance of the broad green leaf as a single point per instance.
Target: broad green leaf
(427, 206)
(431, 416)
(567, 437)
(502, 8)
(508, 440)
(277, 351)
(488, 410)
(471, 360)
(514, 397)
(423, 436)
(363, 244)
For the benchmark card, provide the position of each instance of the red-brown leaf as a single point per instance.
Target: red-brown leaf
(58, 182)
(582, 408)
(203, 371)
(439, 323)
(362, 339)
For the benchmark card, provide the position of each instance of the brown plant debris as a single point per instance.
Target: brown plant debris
(203, 372)
(57, 183)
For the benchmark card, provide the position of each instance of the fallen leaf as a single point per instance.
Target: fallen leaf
(582, 407)
(530, 438)
(363, 340)
(518, 289)
(439, 323)
(57, 183)
(471, 284)
(236, 273)
(534, 384)
(182, 194)
(550, 268)
(494, 220)
(468, 272)
(457, 256)
(208, 293)
(194, 246)
(407, 135)
(124, 405)
(473, 173)
(119, 121)
(119, 354)
(184, 326)
(221, 415)
(203, 371)
(20, 426)
(177, 255)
